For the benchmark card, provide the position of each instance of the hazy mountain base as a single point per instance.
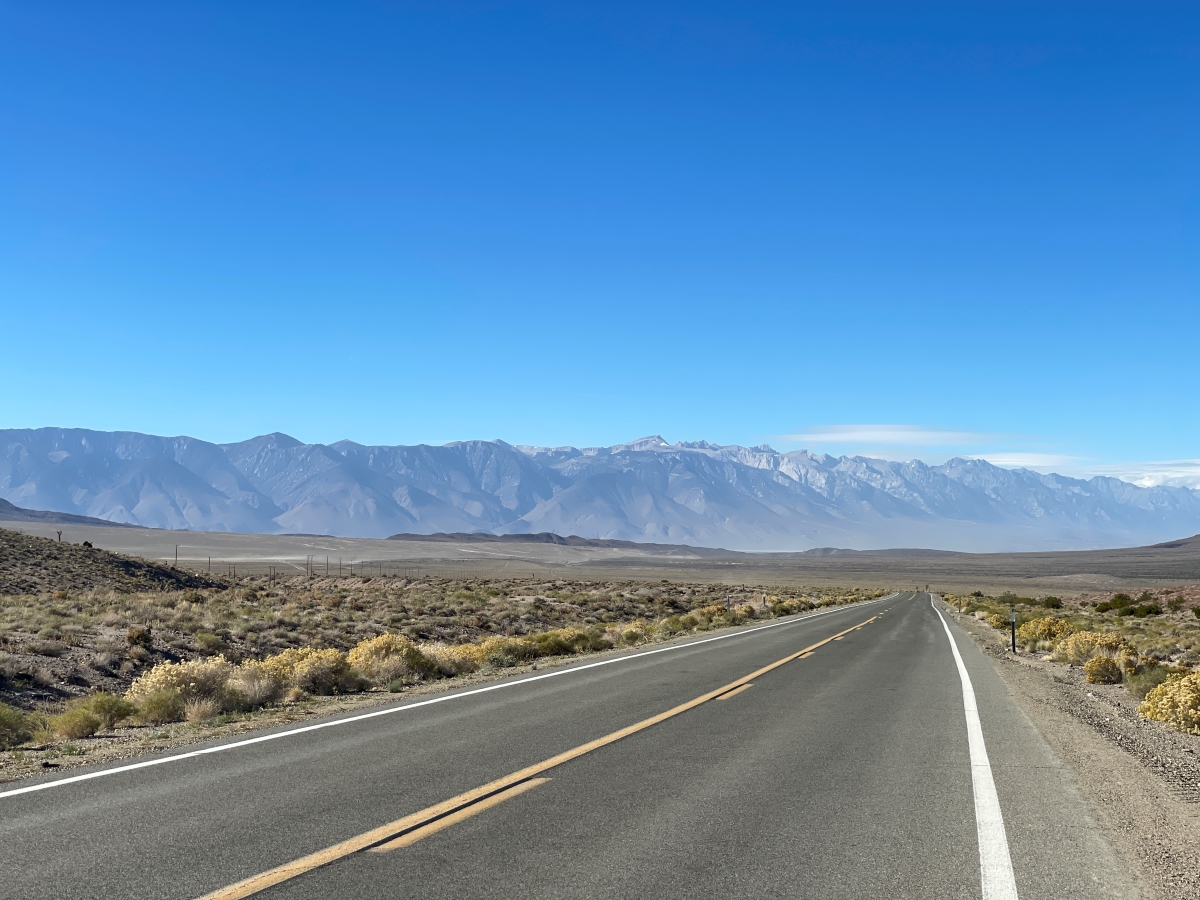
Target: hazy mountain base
(647, 490)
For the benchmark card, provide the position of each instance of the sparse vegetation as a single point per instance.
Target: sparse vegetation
(77, 663)
(1151, 643)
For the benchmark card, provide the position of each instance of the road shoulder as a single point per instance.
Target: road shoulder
(1140, 780)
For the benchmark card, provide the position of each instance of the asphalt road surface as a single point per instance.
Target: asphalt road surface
(845, 772)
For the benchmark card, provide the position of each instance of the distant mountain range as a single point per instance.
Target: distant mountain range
(647, 490)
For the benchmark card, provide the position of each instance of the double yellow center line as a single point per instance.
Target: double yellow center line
(412, 828)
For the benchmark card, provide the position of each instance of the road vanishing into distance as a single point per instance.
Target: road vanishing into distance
(845, 754)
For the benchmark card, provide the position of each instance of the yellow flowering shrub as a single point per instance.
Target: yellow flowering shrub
(1077, 648)
(1176, 702)
(1046, 628)
(197, 678)
(390, 656)
(313, 671)
(1102, 670)
(452, 659)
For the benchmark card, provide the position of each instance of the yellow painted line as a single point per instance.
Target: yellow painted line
(256, 883)
(735, 692)
(805, 656)
(406, 840)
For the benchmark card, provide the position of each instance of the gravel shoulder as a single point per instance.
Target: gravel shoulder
(1141, 779)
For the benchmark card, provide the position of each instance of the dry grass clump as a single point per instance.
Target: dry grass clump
(452, 660)
(256, 686)
(201, 709)
(1176, 702)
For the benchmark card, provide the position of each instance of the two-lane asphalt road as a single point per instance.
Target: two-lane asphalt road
(822, 756)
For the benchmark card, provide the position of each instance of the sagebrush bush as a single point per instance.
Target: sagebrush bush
(15, 727)
(997, 621)
(161, 707)
(451, 659)
(77, 722)
(1102, 670)
(1176, 702)
(108, 708)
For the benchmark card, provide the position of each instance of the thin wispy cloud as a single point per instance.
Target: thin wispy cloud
(1026, 460)
(887, 435)
(1167, 472)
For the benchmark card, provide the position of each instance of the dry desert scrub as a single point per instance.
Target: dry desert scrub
(80, 662)
(1148, 642)
(204, 688)
(1044, 628)
(1176, 702)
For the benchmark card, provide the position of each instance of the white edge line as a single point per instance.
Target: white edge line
(87, 776)
(995, 863)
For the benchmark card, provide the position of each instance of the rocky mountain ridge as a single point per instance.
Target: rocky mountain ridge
(746, 498)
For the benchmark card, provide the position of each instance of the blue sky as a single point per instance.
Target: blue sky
(910, 230)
